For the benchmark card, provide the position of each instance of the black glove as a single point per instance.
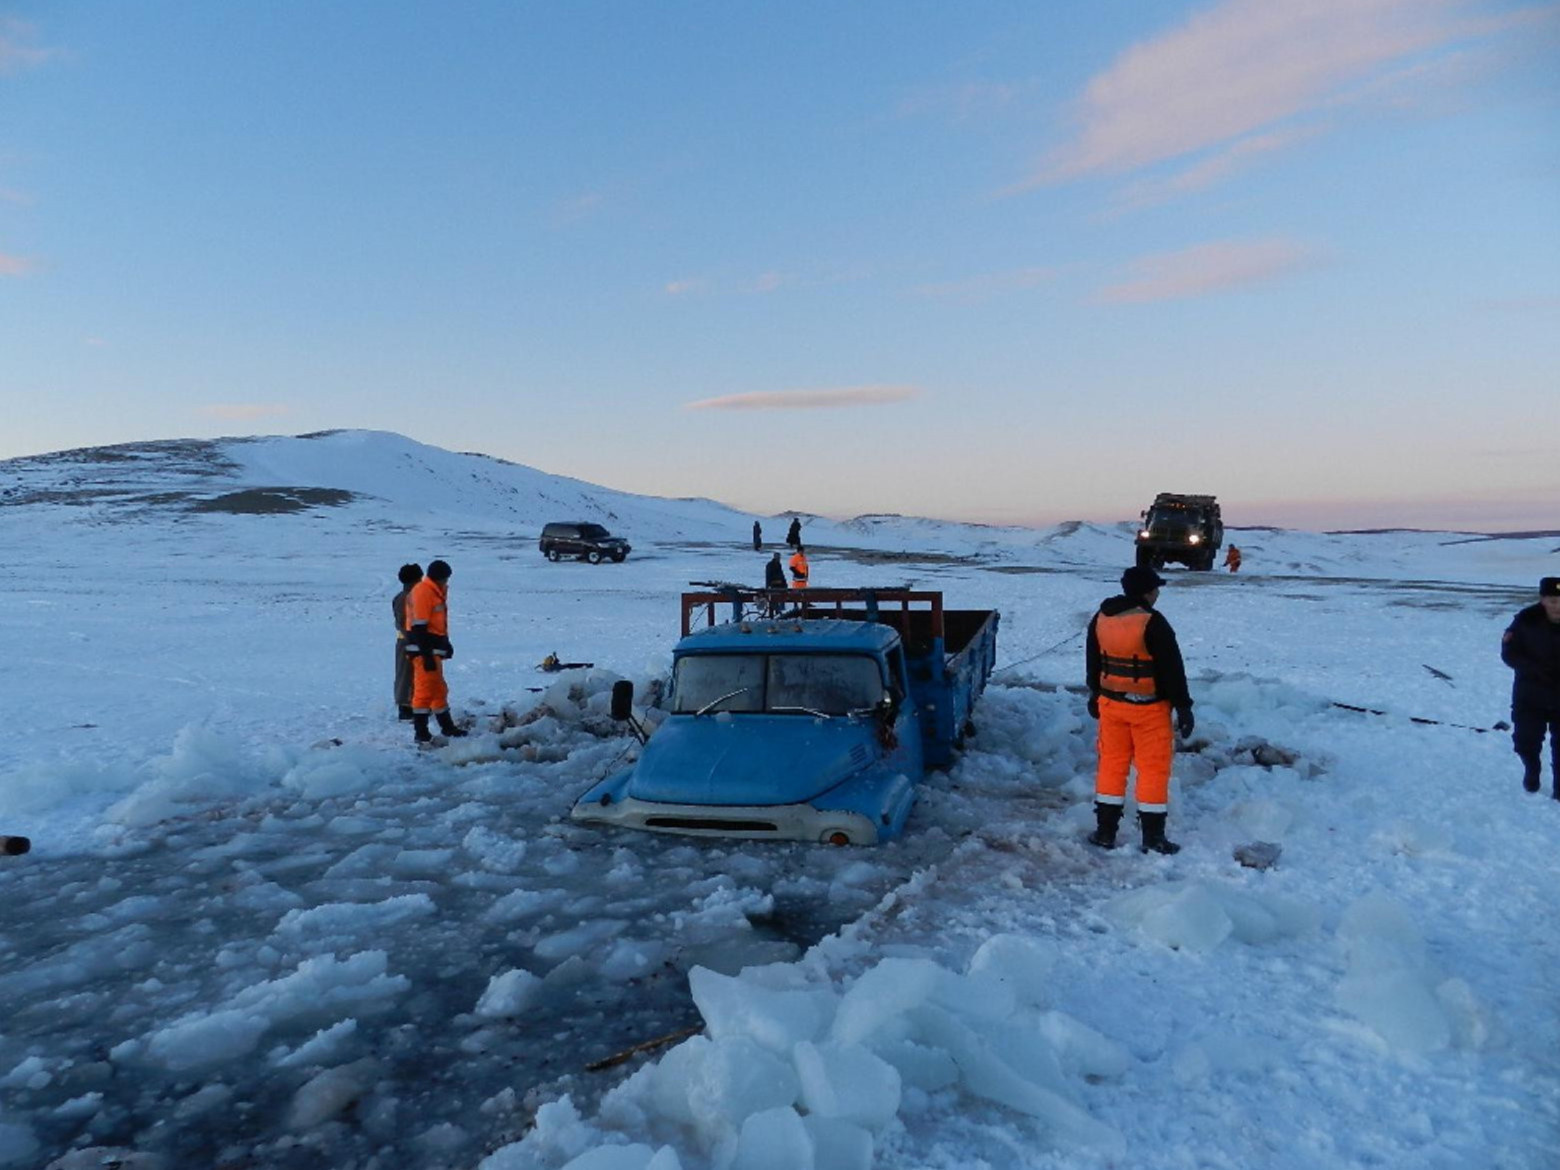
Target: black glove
(1185, 723)
(429, 661)
(448, 648)
(1094, 706)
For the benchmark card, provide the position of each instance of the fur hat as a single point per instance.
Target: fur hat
(409, 574)
(439, 570)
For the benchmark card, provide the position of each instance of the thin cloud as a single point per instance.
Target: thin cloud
(808, 399)
(987, 285)
(682, 288)
(16, 265)
(243, 411)
(962, 101)
(1215, 168)
(1242, 67)
(577, 208)
(16, 50)
(1208, 268)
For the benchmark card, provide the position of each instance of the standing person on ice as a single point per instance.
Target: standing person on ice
(408, 575)
(758, 536)
(1531, 647)
(799, 568)
(793, 536)
(1135, 679)
(428, 645)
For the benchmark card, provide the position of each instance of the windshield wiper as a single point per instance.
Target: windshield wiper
(728, 695)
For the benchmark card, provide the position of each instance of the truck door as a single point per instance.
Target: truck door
(905, 755)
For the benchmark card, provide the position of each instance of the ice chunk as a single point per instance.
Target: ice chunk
(200, 1039)
(632, 1157)
(323, 774)
(319, 1048)
(1399, 1005)
(1023, 964)
(775, 1139)
(987, 1075)
(839, 1145)
(323, 1096)
(1080, 1050)
(920, 1066)
(497, 852)
(888, 990)
(337, 920)
(1182, 916)
(848, 1082)
(508, 994)
(577, 939)
(777, 1018)
(711, 1085)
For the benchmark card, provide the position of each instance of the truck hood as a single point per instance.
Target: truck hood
(749, 759)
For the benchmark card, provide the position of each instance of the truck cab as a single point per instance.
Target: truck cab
(813, 726)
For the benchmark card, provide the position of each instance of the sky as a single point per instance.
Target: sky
(1001, 262)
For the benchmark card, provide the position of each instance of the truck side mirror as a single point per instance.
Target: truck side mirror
(622, 700)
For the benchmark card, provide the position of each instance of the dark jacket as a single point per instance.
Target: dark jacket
(774, 575)
(1531, 647)
(1169, 670)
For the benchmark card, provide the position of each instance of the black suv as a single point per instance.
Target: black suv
(590, 542)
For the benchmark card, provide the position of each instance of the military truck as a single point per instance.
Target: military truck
(1185, 529)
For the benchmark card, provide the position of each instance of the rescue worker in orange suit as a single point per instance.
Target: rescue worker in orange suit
(799, 568)
(428, 645)
(408, 575)
(1136, 680)
(1232, 559)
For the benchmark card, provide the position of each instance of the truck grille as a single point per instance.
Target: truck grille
(719, 824)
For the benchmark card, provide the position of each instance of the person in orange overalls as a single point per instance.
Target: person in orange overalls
(428, 645)
(1136, 679)
(799, 568)
(1232, 559)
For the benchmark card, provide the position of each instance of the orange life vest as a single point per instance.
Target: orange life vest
(425, 605)
(799, 571)
(1126, 666)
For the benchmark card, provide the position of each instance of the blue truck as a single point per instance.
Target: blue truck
(815, 724)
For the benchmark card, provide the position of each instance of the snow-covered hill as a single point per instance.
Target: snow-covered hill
(258, 929)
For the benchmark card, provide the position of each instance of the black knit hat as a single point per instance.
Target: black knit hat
(439, 570)
(1549, 587)
(1140, 582)
(409, 574)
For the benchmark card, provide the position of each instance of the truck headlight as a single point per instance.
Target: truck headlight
(1143, 533)
(1194, 539)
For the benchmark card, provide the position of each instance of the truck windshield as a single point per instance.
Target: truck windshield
(830, 684)
(1163, 517)
(592, 531)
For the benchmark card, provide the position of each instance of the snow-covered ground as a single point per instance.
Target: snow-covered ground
(257, 929)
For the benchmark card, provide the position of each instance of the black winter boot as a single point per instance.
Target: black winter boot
(448, 727)
(420, 733)
(1154, 839)
(1107, 818)
(1530, 772)
(404, 713)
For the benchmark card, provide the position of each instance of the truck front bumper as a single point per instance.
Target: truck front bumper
(773, 822)
(865, 810)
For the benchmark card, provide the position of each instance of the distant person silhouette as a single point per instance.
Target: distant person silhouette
(794, 536)
(1531, 647)
(758, 536)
